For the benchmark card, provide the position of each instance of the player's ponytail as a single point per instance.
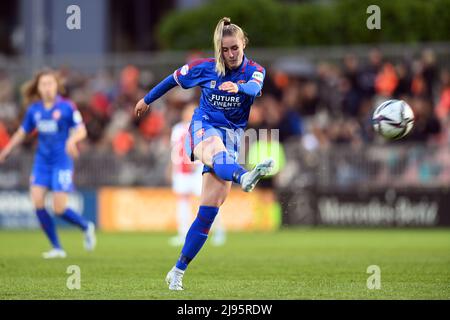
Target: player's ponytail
(29, 89)
(225, 28)
(218, 34)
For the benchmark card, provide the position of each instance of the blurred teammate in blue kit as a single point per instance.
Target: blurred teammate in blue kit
(230, 84)
(59, 127)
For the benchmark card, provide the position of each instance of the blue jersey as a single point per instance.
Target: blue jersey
(53, 126)
(220, 108)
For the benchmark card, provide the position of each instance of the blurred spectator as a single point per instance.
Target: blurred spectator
(100, 106)
(281, 116)
(404, 80)
(328, 83)
(429, 71)
(308, 98)
(151, 126)
(349, 97)
(386, 80)
(349, 85)
(426, 124)
(443, 105)
(369, 73)
(128, 91)
(344, 131)
(123, 142)
(351, 70)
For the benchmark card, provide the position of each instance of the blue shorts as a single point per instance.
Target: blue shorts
(54, 178)
(201, 130)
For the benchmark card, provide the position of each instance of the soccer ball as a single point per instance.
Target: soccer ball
(393, 119)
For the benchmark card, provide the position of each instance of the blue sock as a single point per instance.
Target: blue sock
(48, 226)
(226, 168)
(74, 218)
(197, 235)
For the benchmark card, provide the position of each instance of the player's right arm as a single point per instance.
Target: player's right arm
(27, 126)
(144, 104)
(188, 76)
(16, 139)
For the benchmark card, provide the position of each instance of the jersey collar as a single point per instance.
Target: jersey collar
(244, 64)
(241, 68)
(58, 99)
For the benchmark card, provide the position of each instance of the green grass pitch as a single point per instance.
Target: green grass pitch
(289, 264)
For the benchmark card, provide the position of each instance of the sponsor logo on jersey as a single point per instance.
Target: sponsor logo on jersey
(225, 102)
(47, 126)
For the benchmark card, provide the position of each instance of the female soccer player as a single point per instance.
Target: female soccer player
(229, 83)
(59, 128)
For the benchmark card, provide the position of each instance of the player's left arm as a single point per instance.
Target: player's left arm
(77, 134)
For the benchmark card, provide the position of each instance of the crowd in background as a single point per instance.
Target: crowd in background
(332, 105)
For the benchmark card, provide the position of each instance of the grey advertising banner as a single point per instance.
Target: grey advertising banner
(17, 212)
(400, 208)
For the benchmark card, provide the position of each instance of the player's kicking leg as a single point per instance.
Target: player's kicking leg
(214, 154)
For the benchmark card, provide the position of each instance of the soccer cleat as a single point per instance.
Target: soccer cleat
(175, 279)
(89, 237)
(251, 178)
(54, 254)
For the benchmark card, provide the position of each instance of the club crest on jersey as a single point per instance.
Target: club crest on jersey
(200, 133)
(213, 84)
(56, 115)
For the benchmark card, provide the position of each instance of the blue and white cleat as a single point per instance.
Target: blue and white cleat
(54, 254)
(251, 178)
(90, 240)
(175, 279)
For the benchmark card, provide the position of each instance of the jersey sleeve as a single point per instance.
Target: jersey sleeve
(75, 118)
(28, 123)
(258, 76)
(190, 75)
